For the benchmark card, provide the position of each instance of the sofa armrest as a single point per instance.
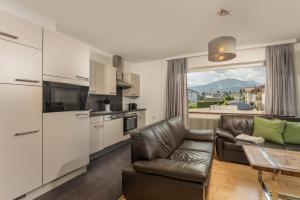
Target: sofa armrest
(226, 135)
(200, 135)
(187, 171)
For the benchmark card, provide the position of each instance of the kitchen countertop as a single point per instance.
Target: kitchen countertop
(98, 113)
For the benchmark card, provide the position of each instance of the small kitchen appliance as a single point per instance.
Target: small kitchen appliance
(132, 106)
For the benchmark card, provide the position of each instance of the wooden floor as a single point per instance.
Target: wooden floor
(235, 182)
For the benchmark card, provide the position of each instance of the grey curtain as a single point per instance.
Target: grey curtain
(177, 89)
(280, 83)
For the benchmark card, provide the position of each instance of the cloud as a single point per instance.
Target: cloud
(247, 74)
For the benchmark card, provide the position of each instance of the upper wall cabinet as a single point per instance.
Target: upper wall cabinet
(20, 64)
(134, 79)
(17, 30)
(103, 79)
(65, 59)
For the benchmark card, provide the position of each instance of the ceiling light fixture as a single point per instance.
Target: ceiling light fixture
(223, 12)
(222, 48)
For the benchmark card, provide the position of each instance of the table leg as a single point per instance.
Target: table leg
(274, 188)
(263, 186)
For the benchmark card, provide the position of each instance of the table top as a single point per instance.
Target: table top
(273, 160)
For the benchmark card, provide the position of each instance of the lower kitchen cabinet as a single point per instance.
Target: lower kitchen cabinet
(65, 143)
(113, 131)
(96, 134)
(141, 122)
(20, 140)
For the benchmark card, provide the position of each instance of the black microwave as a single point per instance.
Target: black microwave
(59, 97)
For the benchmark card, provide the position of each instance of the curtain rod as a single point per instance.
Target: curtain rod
(238, 48)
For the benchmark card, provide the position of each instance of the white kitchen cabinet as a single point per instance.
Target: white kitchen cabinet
(113, 132)
(96, 134)
(65, 58)
(65, 143)
(92, 88)
(134, 80)
(104, 79)
(141, 121)
(20, 64)
(15, 29)
(20, 140)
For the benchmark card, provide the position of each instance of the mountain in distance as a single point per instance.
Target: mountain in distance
(224, 85)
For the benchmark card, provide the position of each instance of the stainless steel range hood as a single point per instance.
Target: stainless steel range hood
(118, 63)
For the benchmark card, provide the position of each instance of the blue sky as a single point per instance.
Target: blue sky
(257, 74)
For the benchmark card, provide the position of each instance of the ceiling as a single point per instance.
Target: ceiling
(142, 30)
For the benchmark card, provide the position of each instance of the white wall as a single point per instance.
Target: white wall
(297, 76)
(153, 87)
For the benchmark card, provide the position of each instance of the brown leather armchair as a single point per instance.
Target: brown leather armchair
(169, 162)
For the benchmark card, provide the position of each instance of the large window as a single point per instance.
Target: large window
(227, 90)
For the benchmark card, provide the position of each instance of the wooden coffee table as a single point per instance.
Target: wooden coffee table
(275, 161)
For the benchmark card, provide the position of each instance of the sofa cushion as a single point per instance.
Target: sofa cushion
(158, 140)
(196, 146)
(191, 156)
(187, 171)
(200, 135)
(292, 133)
(237, 124)
(270, 130)
(177, 128)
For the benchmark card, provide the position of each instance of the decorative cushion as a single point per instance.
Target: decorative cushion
(292, 133)
(270, 130)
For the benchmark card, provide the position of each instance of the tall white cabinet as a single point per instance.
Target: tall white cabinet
(21, 106)
(65, 134)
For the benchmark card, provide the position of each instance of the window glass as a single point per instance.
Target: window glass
(227, 90)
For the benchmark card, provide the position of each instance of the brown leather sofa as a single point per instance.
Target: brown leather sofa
(230, 149)
(169, 162)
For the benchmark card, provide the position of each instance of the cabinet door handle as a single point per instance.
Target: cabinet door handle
(9, 35)
(81, 114)
(26, 80)
(99, 125)
(81, 77)
(26, 133)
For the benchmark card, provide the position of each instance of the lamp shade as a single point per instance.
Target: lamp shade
(222, 49)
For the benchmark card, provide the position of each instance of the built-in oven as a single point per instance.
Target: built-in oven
(59, 97)
(130, 122)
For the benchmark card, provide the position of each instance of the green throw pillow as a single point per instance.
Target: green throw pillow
(270, 130)
(292, 133)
